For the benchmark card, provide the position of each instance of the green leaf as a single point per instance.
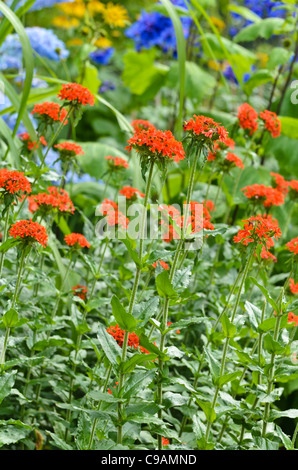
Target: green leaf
(7, 381)
(224, 379)
(133, 253)
(136, 382)
(266, 294)
(128, 366)
(228, 328)
(208, 410)
(272, 346)
(91, 80)
(12, 431)
(258, 78)
(214, 364)
(109, 346)
(284, 438)
(124, 319)
(275, 414)
(10, 318)
(289, 126)
(262, 29)
(164, 286)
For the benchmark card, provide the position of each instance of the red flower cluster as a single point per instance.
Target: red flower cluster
(259, 229)
(165, 442)
(74, 93)
(162, 263)
(234, 160)
(280, 183)
(117, 162)
(293, 286)
(198, 219)
(156, 145)
(80, 291)
(141, 124)
(206, 129)
(69, 149)
(292, 318)
(14, 182)
(31, 145)
(272, 123)
(76, 240)
(55, 199)
(266, 195)
(29, 231)
(293, 188)
(293, 246)
(218, 146)
(50, 112)
(248, 118)
(130, 193)
(118, 335)
(114, 216)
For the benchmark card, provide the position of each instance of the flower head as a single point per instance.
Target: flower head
(293, 286)
(113, 215)
(292, 246)
(205, 130)
(55, 198)
(265, 195)
(49, 112)
(29, 143)
(292, 318)
(14, 182)
(271, 122)
(131, 193)
(233, 160)
(29, 231)
(156, 145)
(141, 124)
(280, 183)
(76, 94)
(162, 263)
(116, 162)
(118, 335)
(76, 240)
(259, 229)
(80, 291)
(248, 118)
(69, 150)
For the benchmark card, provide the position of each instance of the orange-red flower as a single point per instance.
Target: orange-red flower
(80, 291)
(293, 286)
(29, 231)
(74, 93)
(205, 130)
(279, 182)
(29, 143)
(14, 182)
(266, 195)
(117, 162)
(50, 112)
(165, 442)
(141, 124)
(292, 318)
(156, 145)
(76, 240)
(131, 193)
(69, 149)
(162, 263)
(234, 160)
(293, 246)
(272, 123)
(248, 118)
(118, 335)
(55, 198)
(113, 215)
(259, 229)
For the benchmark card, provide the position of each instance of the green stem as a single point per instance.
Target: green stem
(133, 296)
(226, 345)
(15, 296)
(4, 238)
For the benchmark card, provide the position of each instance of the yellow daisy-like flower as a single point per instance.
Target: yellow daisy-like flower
(103, 42)
(115, 15)
(75, 9)
(64, 22)
(95, 7)
(75, 42)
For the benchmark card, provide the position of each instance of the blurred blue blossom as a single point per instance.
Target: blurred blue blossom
(38, 4)
(43, 41)
(102, 56)
(155, 29)
(106, 86)
(262, 8)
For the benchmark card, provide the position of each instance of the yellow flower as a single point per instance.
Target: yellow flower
(95, 7)
(263, 58)
(220, 25)
(63, 22)
(76, 8)
(75, 42)
(212, 64)
(103, 42)
(115, 15)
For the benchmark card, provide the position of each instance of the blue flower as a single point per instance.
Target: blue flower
(10, 119)
(43, 41)
(262, 8)
(106, 86)
(155, 29)
(102, 56)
